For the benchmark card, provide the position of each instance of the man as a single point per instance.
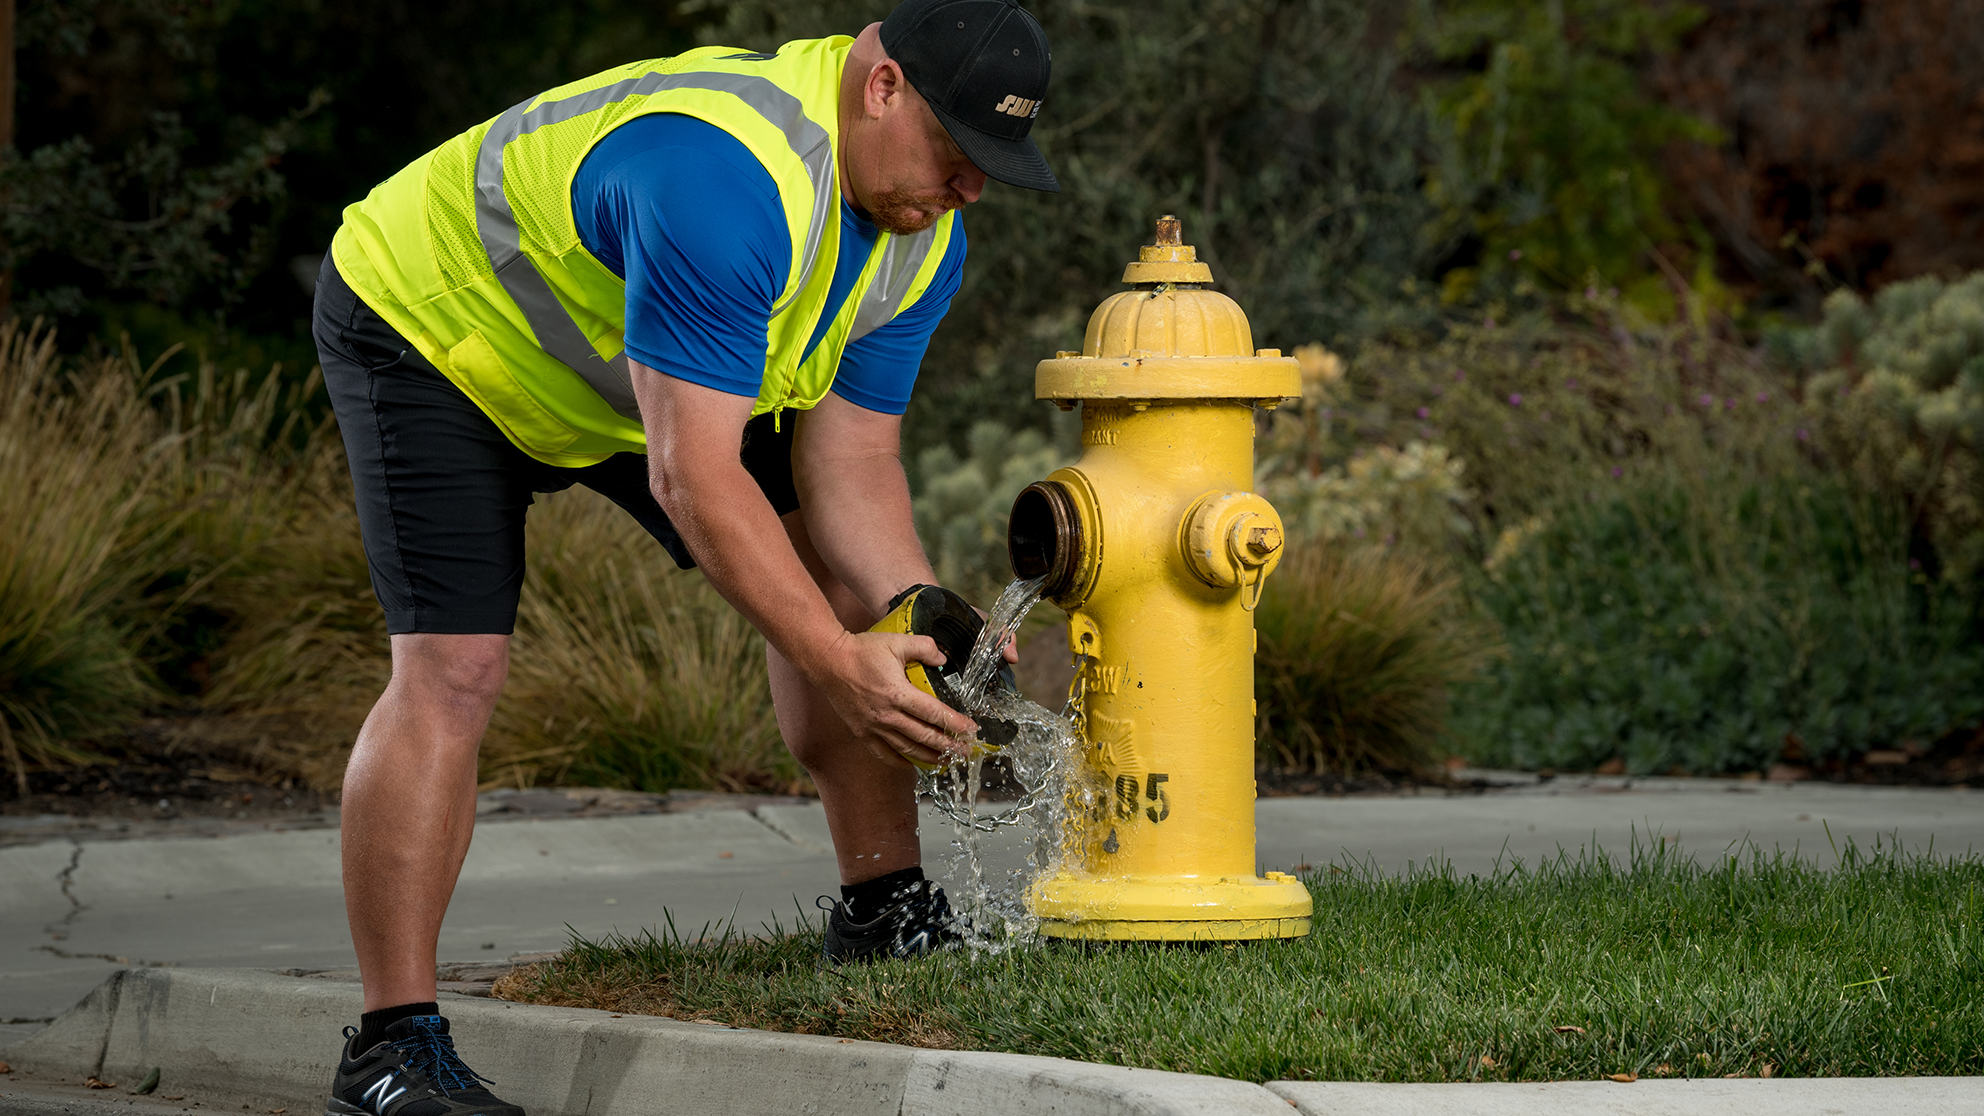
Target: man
(619, 283)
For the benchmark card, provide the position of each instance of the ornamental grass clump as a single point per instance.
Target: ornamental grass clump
(76, 550)
(1359, 654)
(627, 672)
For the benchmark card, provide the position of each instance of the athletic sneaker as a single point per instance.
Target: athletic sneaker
(917, 921)
(413, 1072)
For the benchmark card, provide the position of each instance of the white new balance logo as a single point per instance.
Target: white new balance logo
(377, 1095)
(1015, 105)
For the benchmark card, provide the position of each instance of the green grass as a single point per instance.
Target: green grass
(1571, 969)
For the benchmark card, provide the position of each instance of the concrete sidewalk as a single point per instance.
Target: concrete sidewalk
(75, 908)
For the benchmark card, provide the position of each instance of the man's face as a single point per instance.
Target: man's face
(916, 172)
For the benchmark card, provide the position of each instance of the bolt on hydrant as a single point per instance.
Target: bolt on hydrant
(1158, 550)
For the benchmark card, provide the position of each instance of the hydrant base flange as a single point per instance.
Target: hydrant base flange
(1172, 909)
(1231, 930)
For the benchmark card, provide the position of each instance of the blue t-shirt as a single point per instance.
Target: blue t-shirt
(682, 211)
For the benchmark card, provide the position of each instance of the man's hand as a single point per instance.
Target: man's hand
(863, 677)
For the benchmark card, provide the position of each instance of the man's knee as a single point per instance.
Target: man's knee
(464, 670)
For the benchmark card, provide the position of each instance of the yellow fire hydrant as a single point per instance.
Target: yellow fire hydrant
(1157, 549)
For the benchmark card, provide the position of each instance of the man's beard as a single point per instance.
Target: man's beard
(904, 212)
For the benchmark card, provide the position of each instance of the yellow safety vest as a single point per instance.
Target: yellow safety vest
(472, 253)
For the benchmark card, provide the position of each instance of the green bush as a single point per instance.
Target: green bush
(1711, 624)
(1546, 143)
(1684, 571)
(1897, 395)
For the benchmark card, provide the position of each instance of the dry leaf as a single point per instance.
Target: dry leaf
(724, 856)
(5, 1068)
(1727, 1076)
(181, 1096)
(1568, 1029)
(1769, 1069)
(1487, 1062)
(1663, 1068)
(1623, 1078)
(277, 1111)
(94, 1083)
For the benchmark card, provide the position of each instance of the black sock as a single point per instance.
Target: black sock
(869, 898)
(372, 1025)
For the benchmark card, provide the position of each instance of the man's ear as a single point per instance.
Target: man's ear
(884, 89)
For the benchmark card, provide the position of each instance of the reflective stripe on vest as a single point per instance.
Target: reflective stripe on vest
(900, 262)
(557, 333)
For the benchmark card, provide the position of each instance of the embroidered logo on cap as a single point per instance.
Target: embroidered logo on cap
(1015, 105)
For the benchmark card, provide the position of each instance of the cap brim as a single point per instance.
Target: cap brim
(1013, 162)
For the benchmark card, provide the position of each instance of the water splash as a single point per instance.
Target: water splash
(1045, 759)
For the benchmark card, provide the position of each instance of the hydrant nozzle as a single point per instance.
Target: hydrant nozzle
(1158, 549)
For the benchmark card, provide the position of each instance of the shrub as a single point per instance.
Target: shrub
(1684, 576)
(1711, 623)
(76, 451)
(1359, 651)
(1897, 395)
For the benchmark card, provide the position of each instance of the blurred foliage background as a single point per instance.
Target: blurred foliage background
(1643, 359)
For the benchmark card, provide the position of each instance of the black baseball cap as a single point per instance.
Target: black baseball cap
(982, 65)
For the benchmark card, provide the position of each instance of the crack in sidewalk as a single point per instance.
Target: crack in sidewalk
(59, 929)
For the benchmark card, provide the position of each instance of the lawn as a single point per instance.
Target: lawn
(1652, 964)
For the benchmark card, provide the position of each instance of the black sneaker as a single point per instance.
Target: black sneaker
(413, 1072)
(916, 922)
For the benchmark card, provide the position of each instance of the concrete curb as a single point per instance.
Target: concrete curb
(245, 1036)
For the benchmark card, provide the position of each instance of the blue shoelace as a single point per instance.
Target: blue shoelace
(432, 1052)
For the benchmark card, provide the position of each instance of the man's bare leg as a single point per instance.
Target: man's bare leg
(870, 804)
(409, 806)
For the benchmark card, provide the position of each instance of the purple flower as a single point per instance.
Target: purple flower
(1423, 412)
(1515, 253)
(1459, 376)
(1515, 399)
(1591, 294)
(1707, 400)
(1488, 324)
(1802, 435)
(1572, 382)
(1617, 472)
(1763, 397)
(1729, 404)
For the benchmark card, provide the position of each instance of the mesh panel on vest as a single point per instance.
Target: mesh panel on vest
(545, 216)
(450, 226)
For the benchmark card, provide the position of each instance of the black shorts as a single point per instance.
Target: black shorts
(442, 493)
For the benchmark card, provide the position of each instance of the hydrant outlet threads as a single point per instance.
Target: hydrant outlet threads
(1047, 536)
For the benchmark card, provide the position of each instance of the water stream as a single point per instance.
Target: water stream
(1045, 759)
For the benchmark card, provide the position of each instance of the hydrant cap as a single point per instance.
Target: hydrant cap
(1171, 338)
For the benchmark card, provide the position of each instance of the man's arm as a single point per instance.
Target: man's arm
(693, 434)
(847, 466)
